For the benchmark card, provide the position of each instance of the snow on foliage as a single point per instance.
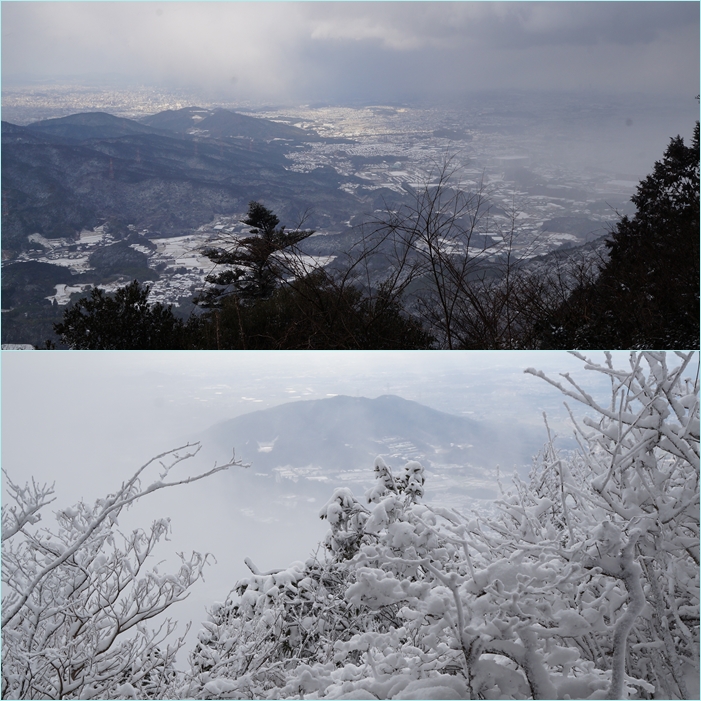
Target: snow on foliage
(76, 598)
(583, 583)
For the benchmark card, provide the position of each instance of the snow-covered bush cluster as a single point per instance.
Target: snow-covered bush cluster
(583, 583)
(76, 599)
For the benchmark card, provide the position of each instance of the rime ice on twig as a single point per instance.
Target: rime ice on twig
(76, 599)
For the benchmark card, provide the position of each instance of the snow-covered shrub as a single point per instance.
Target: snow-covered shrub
(629, 511)
(585, 584)
(277, 630)
(272, 623)
(76, 599)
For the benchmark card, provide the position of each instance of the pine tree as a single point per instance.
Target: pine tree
(647, 294)
(255, 264)
(121, 321)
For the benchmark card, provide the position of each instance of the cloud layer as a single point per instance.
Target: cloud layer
(356, 51)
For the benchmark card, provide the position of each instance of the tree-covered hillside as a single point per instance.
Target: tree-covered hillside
(436, 274)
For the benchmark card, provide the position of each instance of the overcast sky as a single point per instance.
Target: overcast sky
(292, 51)
(87, 419)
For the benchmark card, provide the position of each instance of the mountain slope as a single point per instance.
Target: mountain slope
(91, 125)
(321, 444)
(166, 182)
(223, 123)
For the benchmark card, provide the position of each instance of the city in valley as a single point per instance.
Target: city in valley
(533, 160)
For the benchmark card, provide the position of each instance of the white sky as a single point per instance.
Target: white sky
(88, 419)
(297, 51)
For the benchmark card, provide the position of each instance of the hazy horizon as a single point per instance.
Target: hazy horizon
(596, 85)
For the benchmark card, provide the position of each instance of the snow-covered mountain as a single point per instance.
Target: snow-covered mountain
(303, 450)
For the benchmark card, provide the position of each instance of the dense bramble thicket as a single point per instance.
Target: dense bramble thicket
(438, 274)
(583, 583)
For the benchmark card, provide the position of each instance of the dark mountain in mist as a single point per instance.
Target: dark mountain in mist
(218, 123)
(223, 123)
(62, 175)
(318, 445)
(15, 134)
(90, 125)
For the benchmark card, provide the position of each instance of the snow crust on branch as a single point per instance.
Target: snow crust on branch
(545, 599)
(76, 598)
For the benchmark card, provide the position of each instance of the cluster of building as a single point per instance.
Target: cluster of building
(401, 149)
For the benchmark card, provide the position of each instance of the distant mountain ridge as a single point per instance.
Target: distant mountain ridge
(91, 125)
(326, 443)
(224, 123)
(65, 174)
(218, 123)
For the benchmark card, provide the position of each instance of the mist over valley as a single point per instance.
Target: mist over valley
(300, 450)
(93, 199)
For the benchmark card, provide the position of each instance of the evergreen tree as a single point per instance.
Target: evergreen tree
(255, 267)
(121, 321)
(647, 294)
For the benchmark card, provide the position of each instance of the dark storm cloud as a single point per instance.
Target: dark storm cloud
(512, 25)
(428, 49)
(524, 25)
(293, 50)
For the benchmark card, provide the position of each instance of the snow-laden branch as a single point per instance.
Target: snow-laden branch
(630, 573)
(29, 500)
(110, 508)
(76, 599)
